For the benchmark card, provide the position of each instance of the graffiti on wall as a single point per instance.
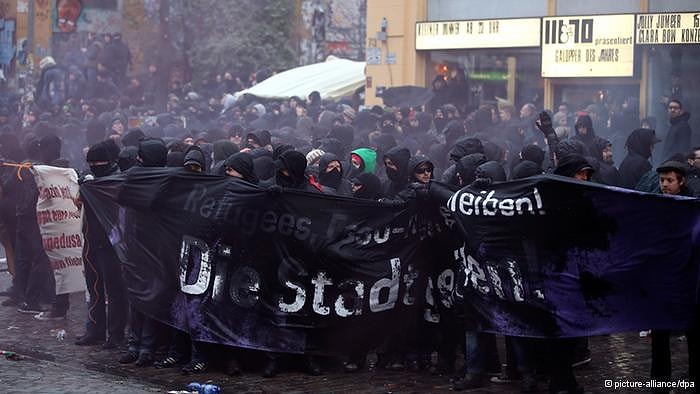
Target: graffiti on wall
(7, 43)
(332, 27)
(67, 14)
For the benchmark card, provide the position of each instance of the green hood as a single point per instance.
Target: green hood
(369, 157)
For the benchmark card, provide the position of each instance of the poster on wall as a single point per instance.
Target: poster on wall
(674, 28)
(588, 46)
(494, 33)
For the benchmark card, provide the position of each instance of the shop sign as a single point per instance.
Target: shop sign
(493, 33)
(673, 28)
(588, 46)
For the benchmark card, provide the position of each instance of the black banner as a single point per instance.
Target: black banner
(294, 272)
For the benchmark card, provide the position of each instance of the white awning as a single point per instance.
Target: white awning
(333, 79)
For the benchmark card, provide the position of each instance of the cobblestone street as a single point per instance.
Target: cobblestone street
(49, 365)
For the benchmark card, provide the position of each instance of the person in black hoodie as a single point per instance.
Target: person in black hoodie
(291, 168)
(367, 186)
(330, 175)
(102, 267)
(606, 172)
(420, 169)
(223, 149)
(127, 158)
(678, 137)
(240, 165)
(396, 166)
(586, 134)
(463, 147)
(194, 160)
(639, 146)
(144, 330)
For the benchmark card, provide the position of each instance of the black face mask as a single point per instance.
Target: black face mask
(331, 179)
(103, 170)
(393, 175)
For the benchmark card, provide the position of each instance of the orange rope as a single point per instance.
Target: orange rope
(20, 166)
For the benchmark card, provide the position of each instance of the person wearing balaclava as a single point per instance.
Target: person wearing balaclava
(367, 186)
(291, 167)
(144, 330)
(50, 151)
(240, 166)
(330, 176)
(396, 166)
(105, 321)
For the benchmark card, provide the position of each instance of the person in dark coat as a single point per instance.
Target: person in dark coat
(240, 165)
(465, 169)
(330, 176)
(420, 169)
(194, 160)
(396, 166)
(102, 267)
(144, 330)
(586, 134)
(606, 172)
(223, 149)
(639, 146)
(575, 166)
(525, 169)
(678, 137)
(51, 89)
(127, 158)
(463, 147)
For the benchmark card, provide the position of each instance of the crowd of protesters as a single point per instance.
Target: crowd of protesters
(80, 117)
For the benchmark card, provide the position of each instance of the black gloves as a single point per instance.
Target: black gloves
(545, 124)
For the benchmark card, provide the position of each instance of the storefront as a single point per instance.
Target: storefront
(630, 55)
(499, 58)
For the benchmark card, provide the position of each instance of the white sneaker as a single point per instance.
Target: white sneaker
(644, 334)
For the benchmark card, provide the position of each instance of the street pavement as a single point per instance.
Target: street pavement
(51, 365)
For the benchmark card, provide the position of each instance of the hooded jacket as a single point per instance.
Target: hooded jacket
(243, 164)
(414, 163)
(466, 168)
(264, 168)
(371, 187)
(369, 159)
(222, 150)
(295, 164)
(526, 168)
(606, 173)
(491, 170)
(127, 158)
(102, 152)
(636, 163)
(398, 179)
(678, 136)
(332, 179)
(152, 153)
(194, 155)
(571, 164)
